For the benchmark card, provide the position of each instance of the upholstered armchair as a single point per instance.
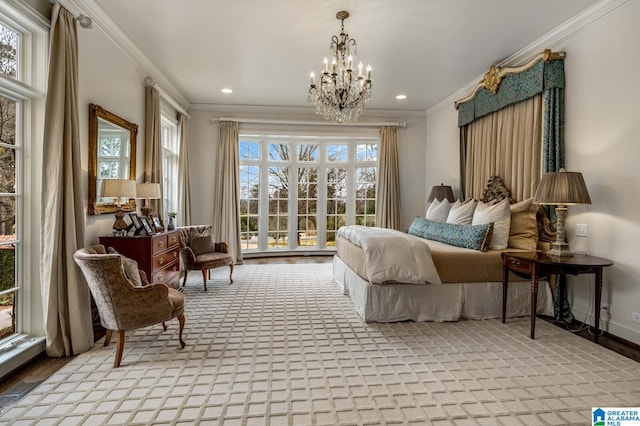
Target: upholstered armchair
(122, 305)
(199, 252)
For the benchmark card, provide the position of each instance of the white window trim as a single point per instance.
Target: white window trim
(30, 90)
(295, 139)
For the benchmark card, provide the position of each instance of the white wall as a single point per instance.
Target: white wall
(203, 140)
(109, 78)
(602, 132)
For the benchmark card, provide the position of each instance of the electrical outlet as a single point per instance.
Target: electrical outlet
(635, 316)
(581, 229)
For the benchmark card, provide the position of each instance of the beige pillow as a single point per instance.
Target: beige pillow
(438, 210)
(462, 213)
(130, 267)
(523, 231)
(500, 215)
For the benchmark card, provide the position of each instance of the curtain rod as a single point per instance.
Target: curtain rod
(148, 81)
(308, 123)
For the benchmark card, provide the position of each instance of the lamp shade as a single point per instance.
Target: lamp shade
(562, 188)
(149, 191)
(121, 188)
(440, 192)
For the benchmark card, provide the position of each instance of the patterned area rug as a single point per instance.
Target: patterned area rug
(282, 346)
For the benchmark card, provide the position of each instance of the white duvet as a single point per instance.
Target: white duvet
(393, 256)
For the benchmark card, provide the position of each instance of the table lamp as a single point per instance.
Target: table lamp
(118, 189)
(560, 189)
(147, 191)
(440, 192)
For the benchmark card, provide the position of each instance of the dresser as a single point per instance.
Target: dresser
(157, 255)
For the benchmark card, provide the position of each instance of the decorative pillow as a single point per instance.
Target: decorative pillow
(130, 267)
(466, 236)
(200, 245)
(462, 213)
(438, 210)
(523, 231)
(500, 215)
(193, 233)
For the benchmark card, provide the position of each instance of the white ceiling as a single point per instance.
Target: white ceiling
(265, 50)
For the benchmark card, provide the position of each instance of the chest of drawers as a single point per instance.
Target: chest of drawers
(158, 255)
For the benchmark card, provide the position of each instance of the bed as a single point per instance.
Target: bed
(394, 276)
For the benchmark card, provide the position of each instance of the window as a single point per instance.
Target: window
(22, 81)
(169, 136)
(296, 191)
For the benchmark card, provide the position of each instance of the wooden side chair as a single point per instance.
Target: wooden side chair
(199, 252)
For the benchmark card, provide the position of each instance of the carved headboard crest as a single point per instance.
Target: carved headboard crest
(496, 191)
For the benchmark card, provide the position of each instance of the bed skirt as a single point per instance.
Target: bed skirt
(437, 302)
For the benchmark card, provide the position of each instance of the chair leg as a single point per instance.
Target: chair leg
(164, 326)
(184, 282)
(107, 338)
(231, 273)
(209, 274)
(182, 320)
(204, 278)
(119, 349)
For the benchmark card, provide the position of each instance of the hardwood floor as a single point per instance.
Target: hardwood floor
(19, 383)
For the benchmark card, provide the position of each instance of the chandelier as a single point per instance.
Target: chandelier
(341, 94)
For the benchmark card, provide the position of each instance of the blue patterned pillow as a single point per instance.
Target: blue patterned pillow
(474, 237)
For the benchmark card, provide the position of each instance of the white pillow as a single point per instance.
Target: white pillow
(500, 215)
(438, 210)
(462, 213)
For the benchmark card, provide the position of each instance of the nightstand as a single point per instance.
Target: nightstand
(536, 265)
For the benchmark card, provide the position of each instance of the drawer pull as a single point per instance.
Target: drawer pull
(161, 260)
(160, 244)
(175, 254)
(174, 239)
(516, 263)
(160, 278)
(175, 268)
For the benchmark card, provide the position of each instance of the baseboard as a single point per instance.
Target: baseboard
(18, 351)
(613, 328)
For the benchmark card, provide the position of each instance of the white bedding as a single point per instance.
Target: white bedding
(393, 256)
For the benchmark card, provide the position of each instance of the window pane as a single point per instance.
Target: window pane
(7, 120)
(8, 52)
(249, 150)
(278, 206)
(307, 206)
(7, 313)
(307, 152)
(367, 152)
(7, 219)
(337, 153)
(279, 152)
(249, 205)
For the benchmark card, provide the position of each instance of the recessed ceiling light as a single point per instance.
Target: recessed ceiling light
(225, 90)
(400, 97)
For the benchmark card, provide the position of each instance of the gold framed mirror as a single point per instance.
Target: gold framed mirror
(112, 155)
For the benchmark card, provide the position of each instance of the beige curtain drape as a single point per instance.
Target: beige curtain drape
(388, 193)
(226, 207)
(507, 143)
(184, 183)
(153, 144)
(65, 296)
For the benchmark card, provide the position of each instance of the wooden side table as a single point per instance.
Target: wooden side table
(536, 265)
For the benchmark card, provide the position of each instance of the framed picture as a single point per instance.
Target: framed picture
(146, 224)
(136, 225)
(156, 222)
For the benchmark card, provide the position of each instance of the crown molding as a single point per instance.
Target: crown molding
(103, 21)
(551, 40)
(299, 111)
